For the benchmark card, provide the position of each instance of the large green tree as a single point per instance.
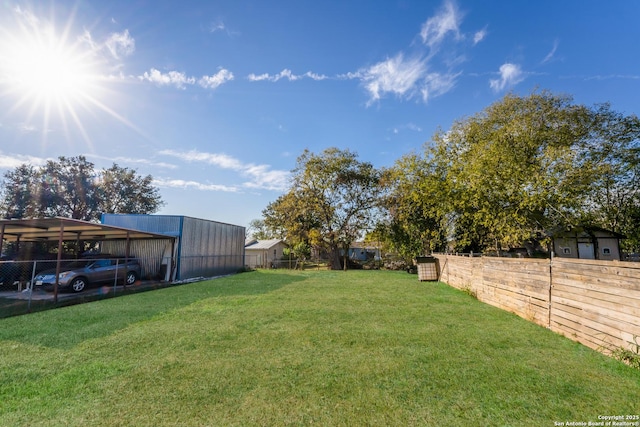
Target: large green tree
(71, 187)
(20, 193)
(514, 170)
(331, 202)
(613, 148)
(521, 168)
(122, 190)
(416, 220)
(259, 230)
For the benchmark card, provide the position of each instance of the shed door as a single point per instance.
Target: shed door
(585, 251)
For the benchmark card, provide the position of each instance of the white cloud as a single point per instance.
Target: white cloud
(551, 54)
(351, 75)
(407, 77)
(510, 75)
(26, 18)
(217, 26)
(415, 77)
(27, 128)
(13, 161)
(222, 160)
(395, 75)
(315, 76)
(436, 28)
(180, 80)
(436, 84)
(285, 74)
(115, 47)
(479, 36)
(262, 177)
(215, 80)
(88, 39)
(610, 76)
(120, 44)
(409, 126)
(132, 160)
(172, 78)
(404, 78)
(258, 77)
(180, 183)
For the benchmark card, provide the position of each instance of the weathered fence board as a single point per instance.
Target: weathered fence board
(596, 303)
(612, 285)
(607, 295)
(576, 332)
(591, 315)
(605, 302)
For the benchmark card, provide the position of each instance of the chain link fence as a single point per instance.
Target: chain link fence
(28, 286)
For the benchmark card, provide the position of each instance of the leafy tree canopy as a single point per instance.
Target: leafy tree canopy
(332, 200)
(416, 203)
(70, 187)
(519, 169)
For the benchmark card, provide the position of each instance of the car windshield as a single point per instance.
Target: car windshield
(78, 264)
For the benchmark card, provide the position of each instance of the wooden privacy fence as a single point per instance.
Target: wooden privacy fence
(596, 303)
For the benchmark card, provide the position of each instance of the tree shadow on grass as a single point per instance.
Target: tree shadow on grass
(68, 326)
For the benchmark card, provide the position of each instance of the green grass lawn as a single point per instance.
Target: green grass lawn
(300, 348)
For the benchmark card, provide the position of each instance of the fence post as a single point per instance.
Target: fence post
(30, 285)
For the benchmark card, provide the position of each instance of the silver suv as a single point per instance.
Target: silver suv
(77, 275)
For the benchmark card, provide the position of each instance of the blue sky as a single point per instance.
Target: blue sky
(216, 99)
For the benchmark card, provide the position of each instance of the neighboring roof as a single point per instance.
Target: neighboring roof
(263, 244)
(363, 245)
(588, 230)
(48, 229)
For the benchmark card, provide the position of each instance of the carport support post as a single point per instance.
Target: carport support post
(55, 286)
(173, 261)
(115, 279)
(1, 238)
(31, 285)
(126, 258)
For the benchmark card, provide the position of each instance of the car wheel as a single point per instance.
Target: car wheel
(78, 284)
(131, 277)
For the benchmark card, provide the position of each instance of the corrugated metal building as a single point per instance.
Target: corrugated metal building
(202, 248)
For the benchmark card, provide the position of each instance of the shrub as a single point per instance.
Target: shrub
(630, 356)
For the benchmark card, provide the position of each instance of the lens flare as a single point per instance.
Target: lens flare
(53, 74)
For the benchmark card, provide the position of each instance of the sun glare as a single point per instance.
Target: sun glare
(49, 72)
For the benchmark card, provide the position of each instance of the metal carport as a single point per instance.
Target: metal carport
(60, 229)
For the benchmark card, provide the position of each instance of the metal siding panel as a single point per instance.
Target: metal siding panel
(162, 224)
(215, 262)
(220, 249)
(148, 252)
(187, 267)
(205, 248)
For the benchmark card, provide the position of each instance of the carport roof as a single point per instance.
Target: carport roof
(49, 229)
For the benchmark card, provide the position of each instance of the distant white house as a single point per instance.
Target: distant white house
(361, 251)
(263, 253)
